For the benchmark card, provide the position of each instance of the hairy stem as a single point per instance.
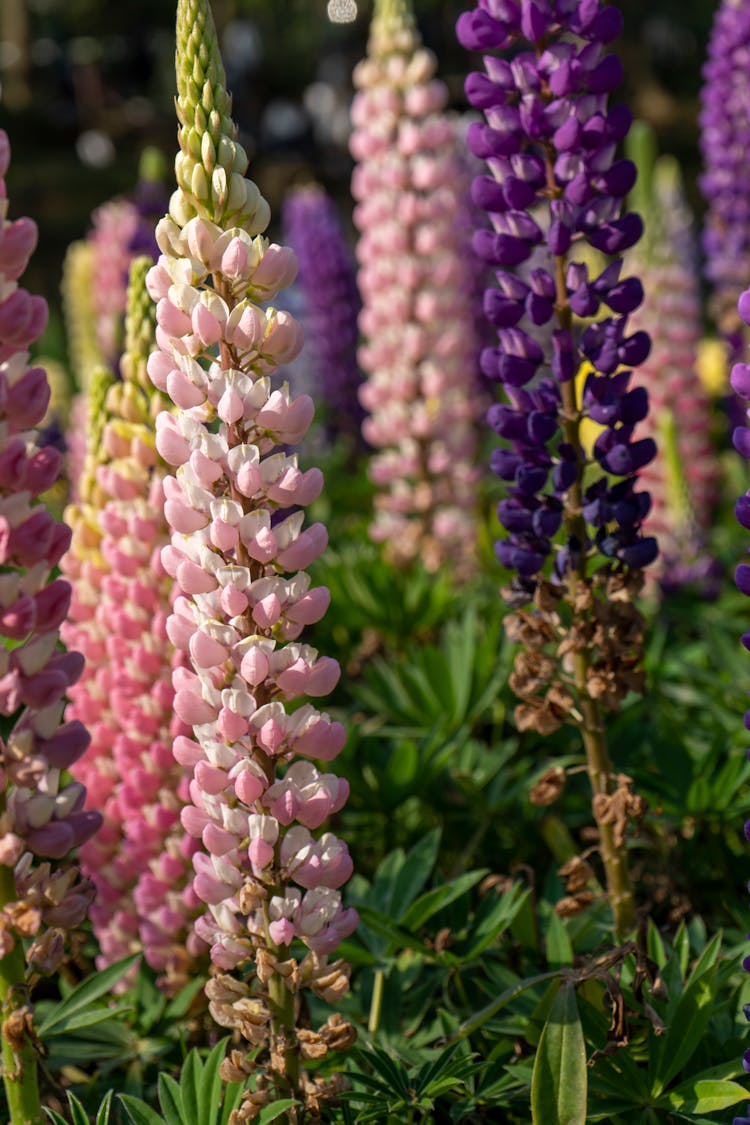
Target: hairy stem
(18, 1054)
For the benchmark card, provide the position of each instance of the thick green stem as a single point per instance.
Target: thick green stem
(18, 1054)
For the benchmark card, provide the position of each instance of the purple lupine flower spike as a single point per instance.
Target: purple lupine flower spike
(332, 303)
(555, 184)
(724, 132)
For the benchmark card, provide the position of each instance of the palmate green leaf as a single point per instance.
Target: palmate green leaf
(138, 1112)
(85, 994)
(438, 898)
(559, 1080)
(704, 1095)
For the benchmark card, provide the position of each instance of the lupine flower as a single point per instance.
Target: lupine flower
(266, 879)
(94, 289)
(740, 380)
(726, 181)
(554, 187)
(683, 480)
(42, 814)
(571, 127)
(140, 861)
(418, 316)
(332, 303)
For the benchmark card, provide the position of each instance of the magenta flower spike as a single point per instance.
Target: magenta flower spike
(420, 350)
(270, 883)
(141, 860)
(42, 817)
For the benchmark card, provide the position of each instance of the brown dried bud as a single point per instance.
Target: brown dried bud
(236, 1067)
(532, 671)
(576, 873)
(18, 1028)
(23, 918)
(573, 904)
(312, 1045)
(252, 895)
(46, 953)
(548, 788)
(332, 985)
(500, 883)
(225, 989)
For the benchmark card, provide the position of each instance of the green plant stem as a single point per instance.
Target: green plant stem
(281, 1006)
(593, 730)
(19, 1065)
(376, 1003)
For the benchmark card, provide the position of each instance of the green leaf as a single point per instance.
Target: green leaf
(438, 898)
(208, 1085)
(468, 1027)
(102, 1117)
(687, 1024)
(704, 1095)
(89, 990)
(138, 1112)
(170, 1100)
(492, 918)
(414, 873)
(559, 1080)
(275, 1110)
(558, 946)
(382, 926)
(191, 1077)
(179, 1005)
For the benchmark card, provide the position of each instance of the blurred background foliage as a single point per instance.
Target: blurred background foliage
(85, 85)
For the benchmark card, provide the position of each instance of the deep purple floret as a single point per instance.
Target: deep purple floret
(554, 184)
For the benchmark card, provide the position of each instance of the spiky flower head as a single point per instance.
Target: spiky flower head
(211, 165)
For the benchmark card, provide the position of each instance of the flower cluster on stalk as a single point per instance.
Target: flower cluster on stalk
(554, 192)
(41, 813)
(725, 182)
(235, 505)
(140, 862)
(331, 303)
(419, 354)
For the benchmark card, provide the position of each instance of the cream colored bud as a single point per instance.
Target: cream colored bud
(207, 98)
(199, 185)
(208, 153)
(219, 188)
(180, 208)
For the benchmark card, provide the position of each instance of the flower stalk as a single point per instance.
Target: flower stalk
(549, 138)
(41, 814)
(421, 390)
(235, 504)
